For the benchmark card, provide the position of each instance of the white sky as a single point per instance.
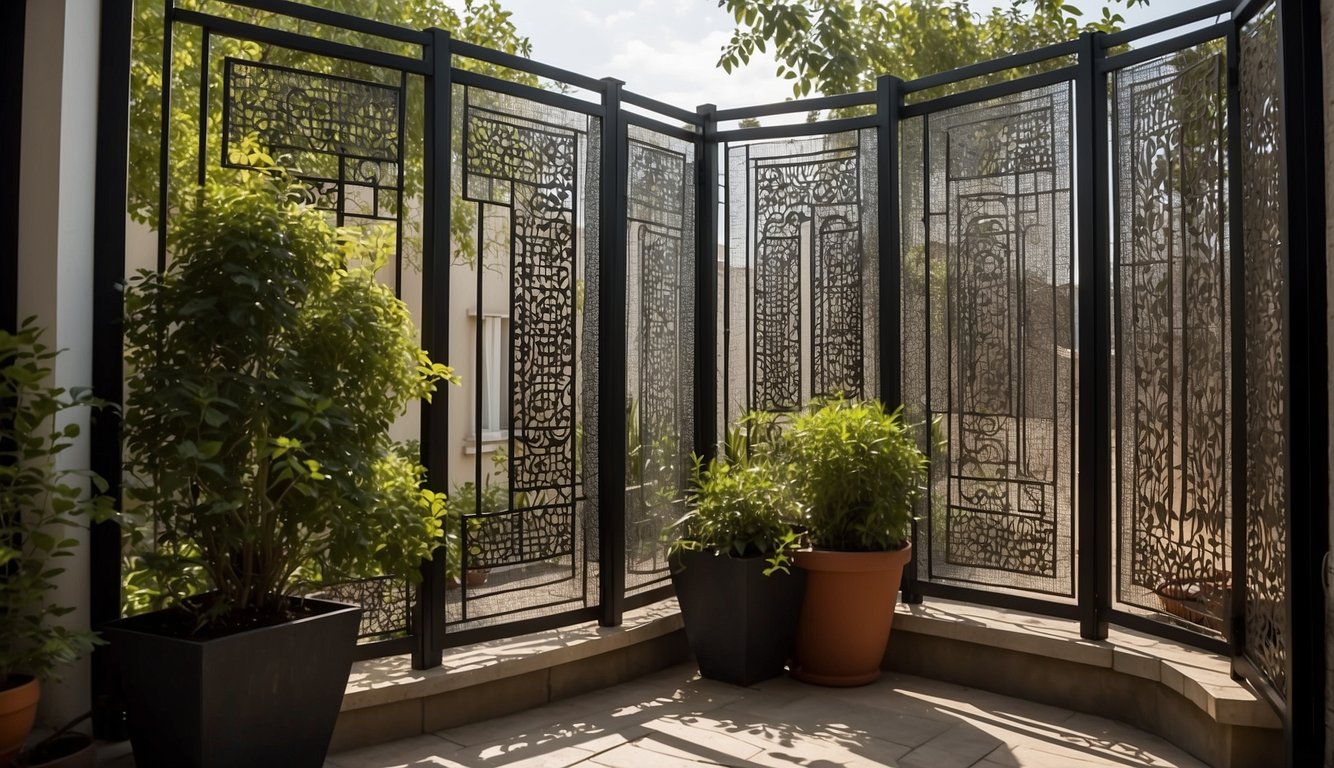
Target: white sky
(667, 49)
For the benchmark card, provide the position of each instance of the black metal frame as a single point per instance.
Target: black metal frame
(891, 102)
(12, 18)
(1094, 486)
(429, 637)
(109, 190)
(612, 358)
(1302, 201)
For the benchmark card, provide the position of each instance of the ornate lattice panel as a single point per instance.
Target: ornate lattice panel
(386, 605)
(798, 294)
(660, 362)
(989, 338)
(1171, 308)
(1265, 318)
(341, 136)
(525, 175)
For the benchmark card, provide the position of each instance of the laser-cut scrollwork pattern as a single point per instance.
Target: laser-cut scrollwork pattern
(1266, 385)
(341, 136)
(811, 201)
(660, 212)
(529, 166)
(386, 605)
(996, 256)
(1172, 320)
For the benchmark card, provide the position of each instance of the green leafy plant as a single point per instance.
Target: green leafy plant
(266, 366)
(858, 473)
(39, 502)
(741, 505)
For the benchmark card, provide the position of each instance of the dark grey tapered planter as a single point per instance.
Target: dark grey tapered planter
(739, 622)
(258, 698)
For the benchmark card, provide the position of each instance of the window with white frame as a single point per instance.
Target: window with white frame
(493, 379)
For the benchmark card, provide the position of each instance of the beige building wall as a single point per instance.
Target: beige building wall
(55, 240)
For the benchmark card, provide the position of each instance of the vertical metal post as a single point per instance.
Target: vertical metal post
(611, 359)
(1302, 201)
(706, 283)
(1092, 266)
(111, 170)
(1234, 628)
(164, 139)
(205, 49)
(429, 609)
(888, 99)
(12, 17)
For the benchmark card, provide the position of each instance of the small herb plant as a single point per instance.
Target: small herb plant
(39, 502)
(858, 472)
(741, 505)
(266, 366)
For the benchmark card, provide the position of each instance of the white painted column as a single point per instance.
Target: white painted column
(56, 170)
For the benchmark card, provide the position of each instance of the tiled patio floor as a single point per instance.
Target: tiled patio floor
(673, 718)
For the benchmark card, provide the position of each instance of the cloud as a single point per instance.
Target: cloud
(684, 72)
(589, 18)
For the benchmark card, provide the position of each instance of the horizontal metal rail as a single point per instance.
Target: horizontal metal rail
(841, 101)
(666, 129)
(299, 42)
(1174, 45)
(1209, 10)
(982, 69)
(797, 129)
(661, 107)
(303, 12)
(994, 91)
(513, 61)
(522, 91)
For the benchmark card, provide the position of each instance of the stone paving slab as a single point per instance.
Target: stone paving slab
(674, 718)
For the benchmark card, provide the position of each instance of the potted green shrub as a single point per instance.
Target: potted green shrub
(730, 556)
(858, 473)
(266, 365)
(39, 502)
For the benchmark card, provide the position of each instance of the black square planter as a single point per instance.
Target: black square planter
(259, 698)
(739, 622)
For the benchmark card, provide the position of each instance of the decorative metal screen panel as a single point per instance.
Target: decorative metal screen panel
(386, 606)
(660, 354)
(528, 170)
(1170, 297)
(343, 137)
(1265, 324)
(798, 291)
(989, 338)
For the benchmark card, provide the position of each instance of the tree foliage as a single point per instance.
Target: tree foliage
(841, 46)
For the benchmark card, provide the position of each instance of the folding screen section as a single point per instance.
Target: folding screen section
(660, 346)
(988, 343)
(1171, 347)
(1265, 317)
(525, 239)
(799, 283)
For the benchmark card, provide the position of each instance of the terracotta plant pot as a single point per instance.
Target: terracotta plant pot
(18, 712)
(68, 750)
(847, 614)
